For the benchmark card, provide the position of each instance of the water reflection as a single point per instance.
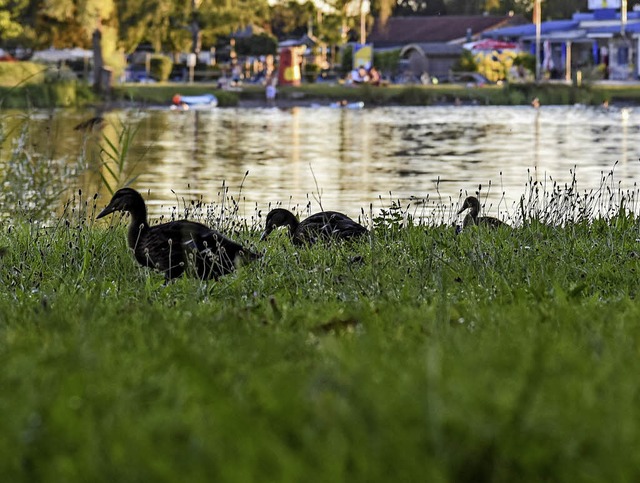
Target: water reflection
(346, 159)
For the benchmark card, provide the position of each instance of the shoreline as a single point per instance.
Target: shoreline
(252, 96)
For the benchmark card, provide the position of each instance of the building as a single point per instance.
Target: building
(599, 45)
(432, 45)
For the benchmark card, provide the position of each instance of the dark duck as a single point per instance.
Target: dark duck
(326, 226)
(178, 246)
(473, 205)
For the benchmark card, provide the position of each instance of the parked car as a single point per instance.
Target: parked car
(138, 73)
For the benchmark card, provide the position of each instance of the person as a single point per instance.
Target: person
(236, 74)
(271, 91)
(359, 76)
(364, 75)
(178, 103)
(374, 76)
(354, 77)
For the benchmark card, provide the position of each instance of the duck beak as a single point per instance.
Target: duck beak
(108, 210)
(266, 232)
(464, 207)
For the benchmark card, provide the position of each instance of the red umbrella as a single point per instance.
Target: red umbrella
(490, 45)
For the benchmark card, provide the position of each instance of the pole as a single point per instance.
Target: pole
(536, 20)
(363, 23)
(623, 34)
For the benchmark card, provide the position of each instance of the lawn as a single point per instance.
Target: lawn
(414, 355)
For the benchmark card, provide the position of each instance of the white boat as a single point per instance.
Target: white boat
(184, 103)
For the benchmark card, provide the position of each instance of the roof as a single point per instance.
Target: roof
(563, 30)
(582, 27)
(530, 29)
(398, 31)
(434, 49)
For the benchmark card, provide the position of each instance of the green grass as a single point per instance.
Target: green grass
(162, 93)
(514, 94)
(489, 356)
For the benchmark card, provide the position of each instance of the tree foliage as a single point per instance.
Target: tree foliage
(189, 25)
(550, 9)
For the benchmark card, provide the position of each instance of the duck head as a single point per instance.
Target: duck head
(470, 202)
(279, 217)
(125, 199)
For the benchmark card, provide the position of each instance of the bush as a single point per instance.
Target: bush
(387, 62)
(346, 60)
(311, 72)
(16, 73)
(54, 94)
(466, 63)
(528, 61)
(161, 67)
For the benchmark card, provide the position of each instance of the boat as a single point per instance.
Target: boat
(203, 101)
(348, 105)
(342, 104)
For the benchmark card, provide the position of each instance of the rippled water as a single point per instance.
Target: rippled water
(348, 159)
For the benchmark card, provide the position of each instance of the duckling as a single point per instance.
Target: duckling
(173, 247)
(472, 218)
(326, 225)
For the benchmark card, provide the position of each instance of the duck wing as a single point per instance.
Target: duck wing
(174, 246)
(328, 225)
(490, 221)
(211, 253)
(162, 247)
(345, 228)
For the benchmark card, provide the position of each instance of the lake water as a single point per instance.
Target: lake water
(340, 159)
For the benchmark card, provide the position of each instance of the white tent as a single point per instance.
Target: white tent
(61, 55)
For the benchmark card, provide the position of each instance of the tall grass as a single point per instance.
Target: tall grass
(412, 355)
(34, 178)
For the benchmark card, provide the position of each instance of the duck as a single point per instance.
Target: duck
(473, 205)
(325, 225)
(176, 247)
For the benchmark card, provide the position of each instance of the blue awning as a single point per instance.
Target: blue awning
(632, 28)
(530, 29)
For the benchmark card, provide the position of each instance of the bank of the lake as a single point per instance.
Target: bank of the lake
(415, 95)
(51, 94)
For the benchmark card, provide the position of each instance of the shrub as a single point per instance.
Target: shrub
(161, 67)
(15, 73)
(311, 71)
(526, 60)
(466, 63)
(387, 62)
(346, 59)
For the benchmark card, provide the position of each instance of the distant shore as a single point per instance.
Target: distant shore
(74, 95)
(414, 95)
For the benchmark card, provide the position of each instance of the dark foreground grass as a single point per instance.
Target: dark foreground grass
(489, 356)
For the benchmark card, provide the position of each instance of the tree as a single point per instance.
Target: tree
(144, 20)
(291, 18)
(209, 19)
(408, 8)
(10, 25)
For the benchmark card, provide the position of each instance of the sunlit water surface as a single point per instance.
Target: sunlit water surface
(346, 160)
